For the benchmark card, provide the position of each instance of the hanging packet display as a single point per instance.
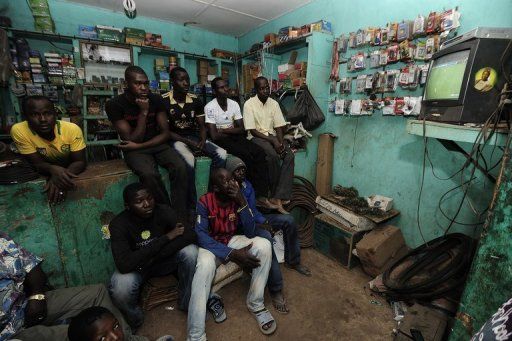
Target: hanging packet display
(359, 37)
(383, 57)
(404, 31)
(342, 44)
(421, 50)
(392, 31)
(375, 59)
(384, 34)
(352, 40)
(419, 26)
(393, 53)
(432, 23)
(377, 38)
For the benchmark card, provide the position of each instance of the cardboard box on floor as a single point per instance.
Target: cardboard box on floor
(430, 322)
(380, 248)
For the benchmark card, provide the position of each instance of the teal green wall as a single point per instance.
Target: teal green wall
(375, 154)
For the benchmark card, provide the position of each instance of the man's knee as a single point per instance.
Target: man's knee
(205, 262)
(221, 153)
(124, 285)
(150, 177)
(264, 234)
(261, 246)
(189, 254)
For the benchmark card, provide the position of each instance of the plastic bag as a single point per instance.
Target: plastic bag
(306, 111)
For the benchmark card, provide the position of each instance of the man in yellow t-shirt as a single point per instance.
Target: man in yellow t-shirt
(55, 148)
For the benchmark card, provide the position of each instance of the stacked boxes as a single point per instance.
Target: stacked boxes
(110, 33)
(54, 65)
(202, 71)
(250, 72)
(134, 36)
(155, 40)
(42, 18)
(292, 75)
(321, 26)
(88, 32)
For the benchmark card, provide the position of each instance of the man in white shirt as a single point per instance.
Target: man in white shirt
(226, 129)
(266, 125)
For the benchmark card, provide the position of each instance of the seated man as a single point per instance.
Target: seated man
(146, 242)
(55, 148)
(140, 120)
(32, 312)
(98, 323)
(219, 214)
(284, 222)
(188, 131)
(226, 127)
(265, 122)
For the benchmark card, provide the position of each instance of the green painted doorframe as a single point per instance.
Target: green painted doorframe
(489, 284)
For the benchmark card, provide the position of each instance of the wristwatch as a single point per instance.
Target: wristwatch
(39, 297)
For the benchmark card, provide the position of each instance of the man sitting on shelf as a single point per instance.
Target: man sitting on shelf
(55, 148)
(265, 123)
(141, 122)
(266, 222)
(220, 215)
(32, 312)
(147, 242)
(188, 129)
(226, 128)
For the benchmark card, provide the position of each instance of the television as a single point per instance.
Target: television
(465, 77)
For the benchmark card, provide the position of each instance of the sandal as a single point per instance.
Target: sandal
(300, 269)
(216, 308)
(264, 317)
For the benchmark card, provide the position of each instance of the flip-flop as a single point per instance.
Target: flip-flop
(263, 317)
(216, 308)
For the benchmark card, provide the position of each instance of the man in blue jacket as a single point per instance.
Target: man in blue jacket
(284, 222)
(220, 214)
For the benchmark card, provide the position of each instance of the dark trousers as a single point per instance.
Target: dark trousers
(254, 158)
(286, 223)
(63, 304)
(280, 170)
(145, 162)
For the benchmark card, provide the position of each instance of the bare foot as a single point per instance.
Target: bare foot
(279, 302)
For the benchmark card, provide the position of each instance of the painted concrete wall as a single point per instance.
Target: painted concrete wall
(375, 154)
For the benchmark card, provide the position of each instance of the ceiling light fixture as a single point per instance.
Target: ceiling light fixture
(130, 9)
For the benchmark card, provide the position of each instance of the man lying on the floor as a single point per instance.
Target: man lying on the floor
(220, 214)
(98, 323)
(284, 222)
(32, 312)
(146, 241)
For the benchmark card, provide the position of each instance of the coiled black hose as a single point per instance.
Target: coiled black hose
(303, 197)
(431, 270)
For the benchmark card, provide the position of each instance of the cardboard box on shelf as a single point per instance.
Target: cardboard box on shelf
(298, 82)
(321, 26)
(293, 74)
(110, 33)
(301, 66)
(212, 69)
(272, 38)
(285, 67)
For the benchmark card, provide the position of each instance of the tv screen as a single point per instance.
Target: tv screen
(446, 76)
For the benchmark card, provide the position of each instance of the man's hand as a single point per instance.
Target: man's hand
(62, 177)
(143, 104)
(278, 146)
(35, 312)
(235, 193)
(55, 194)
(128, 145)
(243, 258)
(176, 232)
(200, 144)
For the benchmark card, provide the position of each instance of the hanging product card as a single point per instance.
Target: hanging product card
(377, 38)
(381, 82)
(432, 23)
(392, 80)
(359, 61)
(360, 83)
(369, 83)
(384, 34)
(403, 49)
(393, 30)
(342, 44)
(399, 106)
(339, 108)
(355, 107)
(393, 53)
(421, 50)
(403, 79)
(375, 59)
(333, 87)
(404, 31)
(449, 20)
(423, 74)
(413, 77)
(369, 35)
(412, 106)
(432, 45)
(352, 40)
(383, 54)
(332, 106)
(366, 108)
(345, 85)
(389, 107)
(359, 37)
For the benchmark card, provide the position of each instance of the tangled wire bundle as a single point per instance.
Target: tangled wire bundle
(303, 197)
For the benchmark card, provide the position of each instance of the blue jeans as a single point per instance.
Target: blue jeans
(216, 153)
(125, 288)
(286, 223)
(205, 273)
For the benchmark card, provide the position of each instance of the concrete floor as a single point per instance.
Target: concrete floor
(331, 305)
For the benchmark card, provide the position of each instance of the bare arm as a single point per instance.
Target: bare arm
(163, 137)
(125, 130)
(238, 129)
(215, 133)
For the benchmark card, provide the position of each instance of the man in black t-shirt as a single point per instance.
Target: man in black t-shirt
(188, 129)
(147, 242)
(141, 121)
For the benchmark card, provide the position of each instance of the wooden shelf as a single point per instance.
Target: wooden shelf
(453, 132)
(287, 46)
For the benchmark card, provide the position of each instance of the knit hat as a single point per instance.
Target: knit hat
(233, 163)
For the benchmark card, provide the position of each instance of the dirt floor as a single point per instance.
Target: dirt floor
(331, 305)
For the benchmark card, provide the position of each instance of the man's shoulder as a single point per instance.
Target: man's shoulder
(233, 103)
(20, 128)
(69, 126)
(212, 105)
(154, 97)
(120, 220)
